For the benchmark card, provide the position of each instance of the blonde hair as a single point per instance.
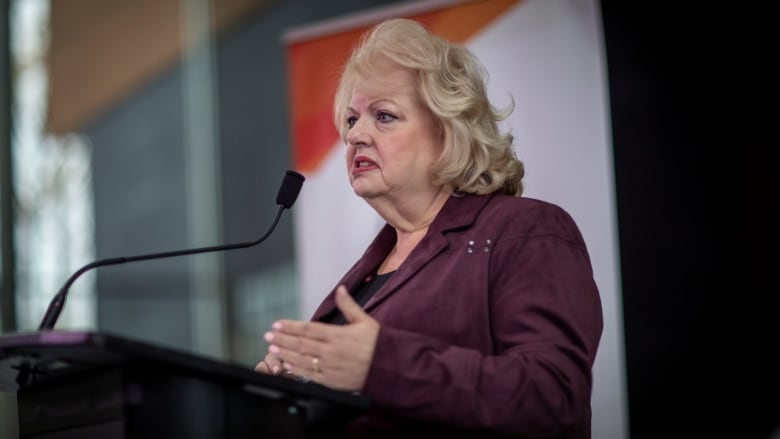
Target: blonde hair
(477, 157)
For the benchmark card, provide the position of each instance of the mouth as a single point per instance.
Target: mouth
(362, 164)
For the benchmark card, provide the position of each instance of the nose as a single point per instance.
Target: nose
(359, 134)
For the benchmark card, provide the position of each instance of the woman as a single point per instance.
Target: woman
(474, 310)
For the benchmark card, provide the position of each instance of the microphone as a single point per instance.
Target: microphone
(288, 193)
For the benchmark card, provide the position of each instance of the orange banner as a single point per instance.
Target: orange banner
(314, 68)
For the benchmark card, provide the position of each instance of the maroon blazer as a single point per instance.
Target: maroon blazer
(489, 327)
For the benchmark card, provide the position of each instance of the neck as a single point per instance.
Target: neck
(409, 214)
(411, 224)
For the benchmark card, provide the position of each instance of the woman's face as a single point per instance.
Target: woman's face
(392, 139)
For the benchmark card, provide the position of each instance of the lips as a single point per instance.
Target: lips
(363, 164)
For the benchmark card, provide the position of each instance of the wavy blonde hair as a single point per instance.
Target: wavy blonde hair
(477, 157)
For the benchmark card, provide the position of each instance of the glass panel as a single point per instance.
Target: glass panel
(119, 150)
(52, 178)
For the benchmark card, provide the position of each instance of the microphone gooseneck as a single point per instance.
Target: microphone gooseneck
(288, 193)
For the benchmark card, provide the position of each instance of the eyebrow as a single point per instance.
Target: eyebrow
(374, 103)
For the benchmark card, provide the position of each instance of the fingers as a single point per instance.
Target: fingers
(298, 356)
(307, 349)
(302, 366)
(272, 364)
(263, 367)
(305, 329)
(290, 342)
(292, 359)
(295, 343)
(308, 365)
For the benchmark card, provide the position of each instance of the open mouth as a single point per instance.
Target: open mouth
(363, 164)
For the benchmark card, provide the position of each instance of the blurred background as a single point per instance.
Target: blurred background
(132, 127)
(149, 126)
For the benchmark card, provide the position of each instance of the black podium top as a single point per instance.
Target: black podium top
(35, 357)
(96, 385)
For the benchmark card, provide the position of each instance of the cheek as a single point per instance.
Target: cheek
(435, 148)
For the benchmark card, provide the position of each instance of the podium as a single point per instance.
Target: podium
(95, 385)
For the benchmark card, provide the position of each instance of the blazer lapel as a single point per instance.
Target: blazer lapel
(430, 246)
(373, 256)
(459, 212)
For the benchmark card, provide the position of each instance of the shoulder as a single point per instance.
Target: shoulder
(506, 216)
(523, 207)
(528, 217)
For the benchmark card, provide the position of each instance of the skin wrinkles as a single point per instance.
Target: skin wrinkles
(391, 128)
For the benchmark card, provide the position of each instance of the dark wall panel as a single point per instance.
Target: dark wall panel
(139, 192)
(693, 312)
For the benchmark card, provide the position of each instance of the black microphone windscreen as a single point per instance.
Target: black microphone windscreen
(290, 188)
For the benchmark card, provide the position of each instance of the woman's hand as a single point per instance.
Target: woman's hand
(271, 365)
(338, 356)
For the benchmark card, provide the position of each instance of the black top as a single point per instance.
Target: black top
(362, 294)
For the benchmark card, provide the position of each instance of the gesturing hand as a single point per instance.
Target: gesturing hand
(338, 356)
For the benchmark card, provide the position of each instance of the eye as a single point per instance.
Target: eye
(385, 117)
(351, 121)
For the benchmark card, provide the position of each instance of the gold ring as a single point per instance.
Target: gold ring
(316, 362)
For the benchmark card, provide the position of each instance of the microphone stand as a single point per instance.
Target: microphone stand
(288, 192)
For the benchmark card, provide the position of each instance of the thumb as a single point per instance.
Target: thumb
(347, 305)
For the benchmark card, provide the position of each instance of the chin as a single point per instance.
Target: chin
(362, 191)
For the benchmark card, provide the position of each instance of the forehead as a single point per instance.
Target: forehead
(390, 81)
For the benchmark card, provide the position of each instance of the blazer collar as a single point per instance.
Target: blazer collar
(457, 213)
